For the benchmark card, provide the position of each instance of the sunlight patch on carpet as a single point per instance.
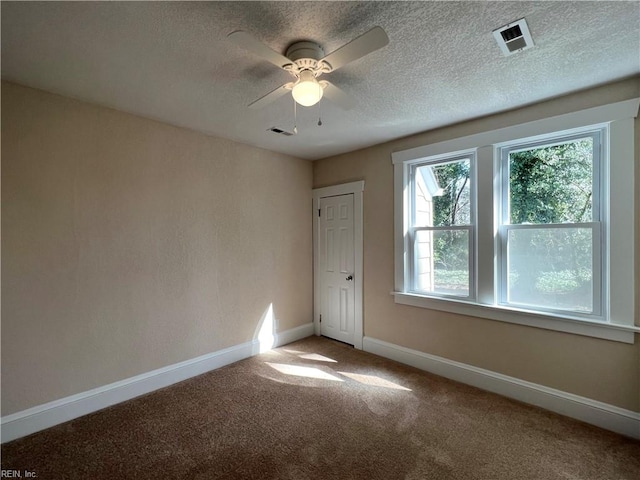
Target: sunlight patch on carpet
(374, 381)
(300, 371)
(318, 357)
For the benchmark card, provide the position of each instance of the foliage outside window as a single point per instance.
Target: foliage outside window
(528, 224)
(548, 249)
(550, 229)
(442, 227)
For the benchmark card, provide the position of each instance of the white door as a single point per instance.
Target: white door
(336, 259)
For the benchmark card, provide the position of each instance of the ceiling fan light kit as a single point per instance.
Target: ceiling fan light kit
(307, 91)
(306, 61)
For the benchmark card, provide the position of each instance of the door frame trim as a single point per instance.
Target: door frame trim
(357, 189)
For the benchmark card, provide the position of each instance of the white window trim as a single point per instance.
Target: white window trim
(620, 305)
(600, 163)
(470, 228)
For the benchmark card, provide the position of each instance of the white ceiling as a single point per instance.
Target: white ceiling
(171, 61)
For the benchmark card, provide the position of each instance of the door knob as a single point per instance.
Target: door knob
(350, 278)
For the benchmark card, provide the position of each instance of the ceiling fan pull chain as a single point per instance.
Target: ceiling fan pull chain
(295, 117)
(320, 108)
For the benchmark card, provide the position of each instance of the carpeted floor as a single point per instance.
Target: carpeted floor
(318, 409)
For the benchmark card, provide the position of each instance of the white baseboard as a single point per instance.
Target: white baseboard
(59, 411)
(604, 415)
(294, 334)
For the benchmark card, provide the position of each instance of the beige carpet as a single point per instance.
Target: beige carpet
(318, 409)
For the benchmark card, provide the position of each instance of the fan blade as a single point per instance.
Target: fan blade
(337, 96)
(363, 45)
(251, 44)
(272, 96)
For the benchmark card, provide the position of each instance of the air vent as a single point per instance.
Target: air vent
(280, 131)
(514, 37)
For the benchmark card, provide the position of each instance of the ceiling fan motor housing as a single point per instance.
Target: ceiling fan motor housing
(305, 56)
(304, 50)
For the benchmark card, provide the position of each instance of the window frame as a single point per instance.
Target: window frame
(412, 229)
(599, 136)
(618, 162)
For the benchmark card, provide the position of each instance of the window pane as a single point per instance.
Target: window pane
(552, 184)
(551, 268)
(442, 194)
(442, 262)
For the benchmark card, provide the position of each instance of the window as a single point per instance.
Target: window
(550, 230)
(441, 231)
(529, 224)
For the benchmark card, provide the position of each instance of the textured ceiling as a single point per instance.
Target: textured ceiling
(171, 61)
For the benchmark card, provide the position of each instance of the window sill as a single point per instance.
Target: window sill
(589, 328)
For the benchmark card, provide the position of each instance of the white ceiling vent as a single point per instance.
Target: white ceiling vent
(514, 37)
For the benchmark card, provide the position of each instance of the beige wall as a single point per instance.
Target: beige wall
(129, 245)
(602, 370)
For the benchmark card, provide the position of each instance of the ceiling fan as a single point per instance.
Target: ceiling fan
(306, 61)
